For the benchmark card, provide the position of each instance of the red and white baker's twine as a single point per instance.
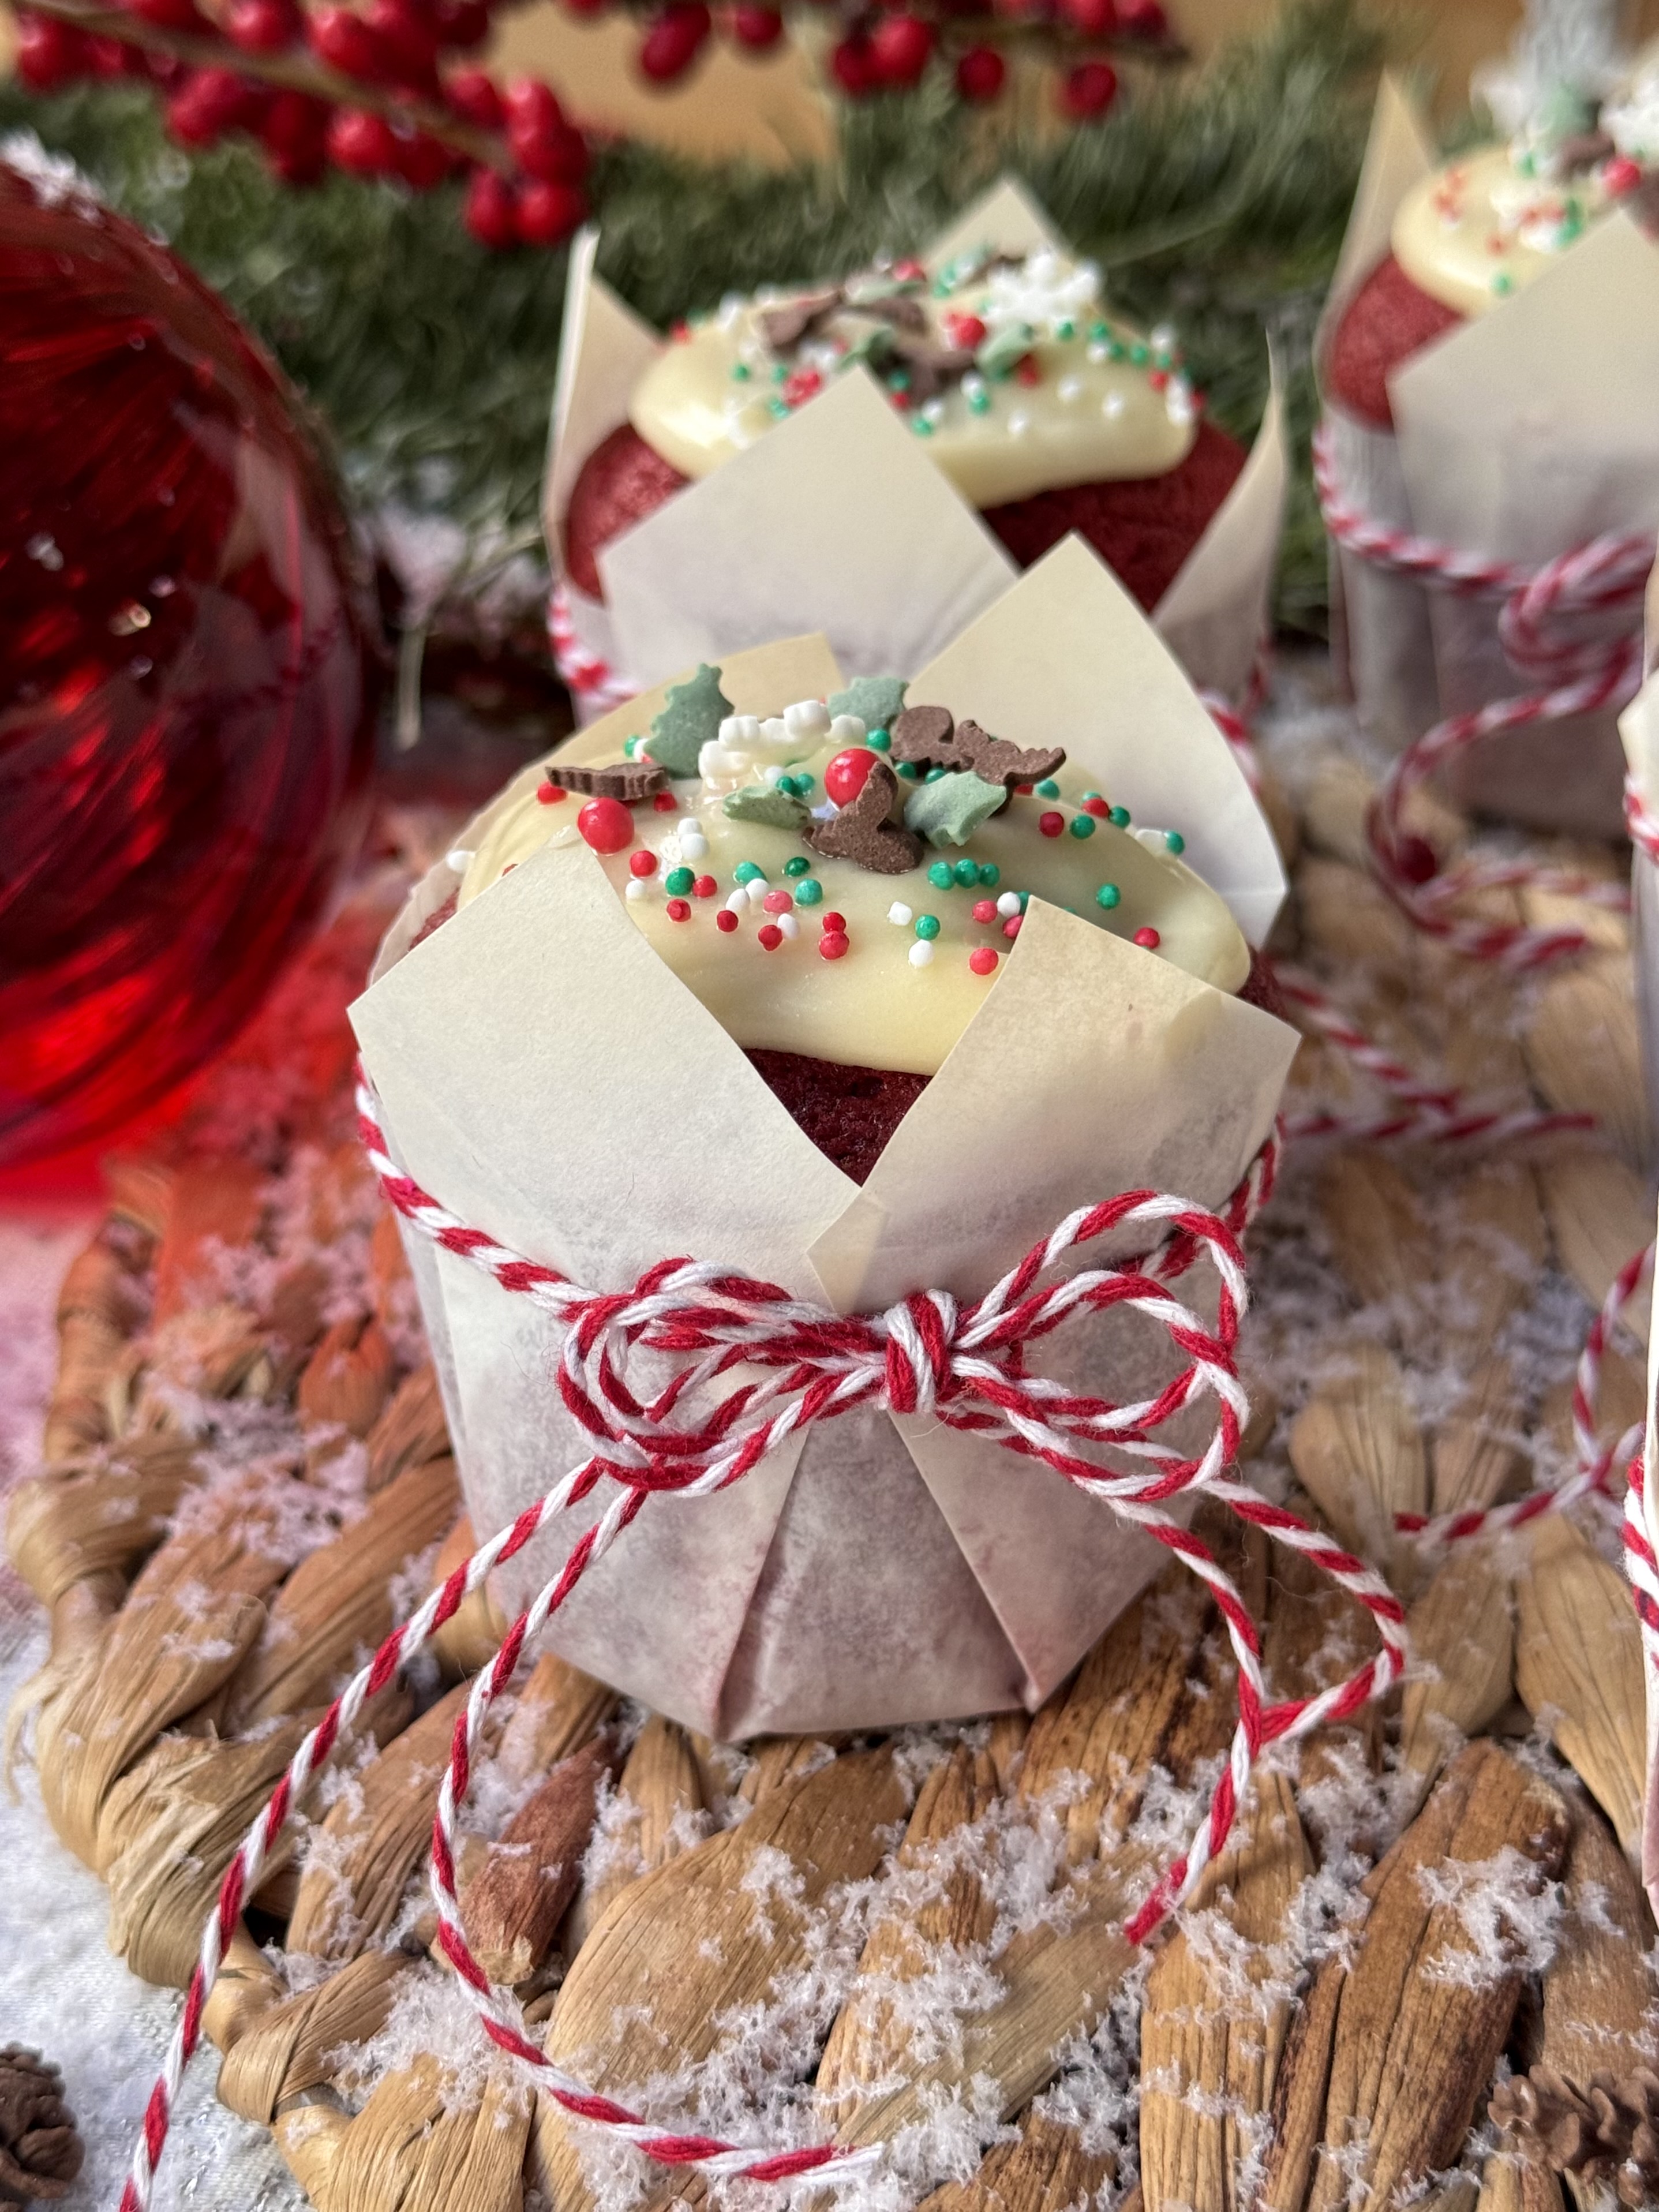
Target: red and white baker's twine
(1541, 626)
(585, 674)
(963, 1365)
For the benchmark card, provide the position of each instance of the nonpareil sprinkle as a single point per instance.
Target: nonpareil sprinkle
(832, 946)
(926, 926)
(677, 909)
(1081, 825)
(1149, 938)
(725, 921)
(677, 882)
(808, 890)
(796, 865)
(551, 794)
(985, 909)
(770, 936)
(1118, 817)
(1109, 896)
(982, 960)
(942, 875)
(966, 873)
(1175, 841)
(746, 871)
(1051, 824)
(642, 864)
(705, 887)
(1048, 788)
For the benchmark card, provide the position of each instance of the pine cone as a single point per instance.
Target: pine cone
(1552, 2115)
(40, 2152)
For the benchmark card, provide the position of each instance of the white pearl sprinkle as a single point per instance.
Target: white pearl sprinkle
(973, 385)
(1097, 351)
(900, 914)
(922, 953)
(755, 892)
(1113, 405)
(638, 888)
(1070, 388)
(460, 859)
(771, 774)
(737, 901)
(933, 411)
(694, 845)
(1162, 337)
(788, 924)
(1008, 904)
(1018, 423)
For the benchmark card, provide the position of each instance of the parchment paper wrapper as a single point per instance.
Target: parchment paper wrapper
(1522, 434)
(548, 1078)
(837, 522)
(1650, 1514)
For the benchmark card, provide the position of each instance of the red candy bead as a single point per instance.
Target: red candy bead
(549, 794)
(834, 923)
(1011, 928)
(985, 909)
(1098, 807)
(848, 773)
(606, 824)
(982, 960)
(832, 946)
(967, 331)
(1149, 938)
(666, 803)
(705, 887)
(1621, 175)
(725, 921)
(777, 901)
(770, 936)
(679, 910)
(642, 864)
(1051, 824)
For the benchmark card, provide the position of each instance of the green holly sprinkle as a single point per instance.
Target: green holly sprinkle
(948, 809)
(688, 720)
(1048, 788)
(941, 875)
(808, 892)
(926, 926)
(747, 873)
(1081, 825)
(1175, 841)
(677, 882)
(876, 700)
(774, 808)
(1118, 816)
(796, 865)
(1109, 896)
(966, 872)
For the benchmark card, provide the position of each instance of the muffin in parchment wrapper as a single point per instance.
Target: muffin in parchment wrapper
(1638, 728)
(742, 555)
(1525, 431)
(546, 1076)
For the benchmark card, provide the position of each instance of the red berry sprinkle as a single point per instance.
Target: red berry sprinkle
(985, 909)
(642, 864)
(725, 921)
(770, 936)
(705, 887)
(848, 773)
(1011, 928)
(606, 824)
(1149, 937)
(982, 960)
(550, 793)
(778, 902)
(834, 923)
(666, 803)
(832, 946)
(1051, 824)
(680, 909)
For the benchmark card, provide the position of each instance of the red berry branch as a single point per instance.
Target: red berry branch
(375, 89)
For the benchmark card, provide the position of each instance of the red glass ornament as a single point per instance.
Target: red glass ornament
(187, 698)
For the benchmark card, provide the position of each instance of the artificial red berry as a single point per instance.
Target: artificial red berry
(361, 143)
(298, 166)
(1087, 91)
(532, 105)
(671, 45)
(474, 97)
(607, 825)
(422, 160)
(294, 129)
(853, 68)
(107, 58)
(462, 25)
(548, 212)
(1144, 19)
(848, 773)
(558, 156)
(49, 52)
(1095, 19)
(757, 28)
(345, 42)
(264, 26)
(208, 103)
(981, 74)
(900, 46)
(407, 43)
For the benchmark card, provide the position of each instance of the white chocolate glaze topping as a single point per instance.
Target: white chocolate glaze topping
(1009, 370)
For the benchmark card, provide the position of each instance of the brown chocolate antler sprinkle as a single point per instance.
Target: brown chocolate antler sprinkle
(1608, 2130)
(862, 833)
(41, 2152)
(788, 322)
(630, 780)
(925, 738)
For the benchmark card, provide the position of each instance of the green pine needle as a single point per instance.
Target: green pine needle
(1216, 201)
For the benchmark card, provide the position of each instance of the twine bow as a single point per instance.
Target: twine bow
(1554, 626)
(964, 1365)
